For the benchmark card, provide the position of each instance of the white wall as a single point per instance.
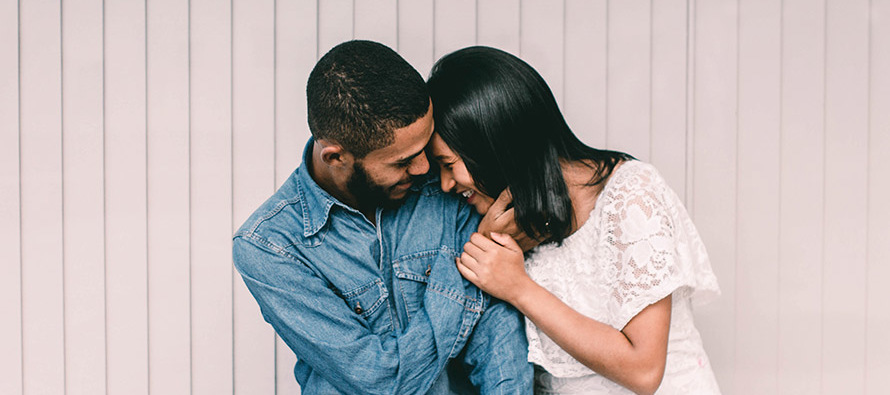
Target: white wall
(135, 137)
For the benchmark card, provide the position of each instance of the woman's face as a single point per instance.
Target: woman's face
(454, 175)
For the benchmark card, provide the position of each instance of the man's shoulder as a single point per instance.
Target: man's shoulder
(428, 187)
(281, 211)
(427, 195)
(431, 216)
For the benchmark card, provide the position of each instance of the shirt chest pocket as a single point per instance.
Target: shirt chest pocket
(412, 273)
(369, 303)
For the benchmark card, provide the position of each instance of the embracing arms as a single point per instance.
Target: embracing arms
(335, 339)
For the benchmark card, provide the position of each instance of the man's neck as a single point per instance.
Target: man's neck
(329, 182)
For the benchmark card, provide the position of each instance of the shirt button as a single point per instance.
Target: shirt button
(429, 269)
(358, 309)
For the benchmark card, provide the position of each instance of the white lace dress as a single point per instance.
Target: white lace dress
(637, 247)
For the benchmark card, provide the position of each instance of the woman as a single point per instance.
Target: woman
(607, 295)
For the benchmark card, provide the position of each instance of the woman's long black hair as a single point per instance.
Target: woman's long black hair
(498, 114)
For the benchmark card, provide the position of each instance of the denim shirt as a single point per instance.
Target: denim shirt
(378, 309)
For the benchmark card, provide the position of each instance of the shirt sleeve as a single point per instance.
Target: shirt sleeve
(337, 343)
(496, 354)
(640, 242)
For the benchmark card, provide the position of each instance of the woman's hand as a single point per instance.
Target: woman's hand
(495, 265)
(501, 218)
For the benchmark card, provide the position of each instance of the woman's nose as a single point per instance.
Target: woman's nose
(446, 181)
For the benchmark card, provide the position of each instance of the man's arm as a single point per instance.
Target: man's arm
(336, 342)
(496, 354)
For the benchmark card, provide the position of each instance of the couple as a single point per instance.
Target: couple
(373, 273)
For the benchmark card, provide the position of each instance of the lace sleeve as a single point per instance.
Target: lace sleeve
(640, 237)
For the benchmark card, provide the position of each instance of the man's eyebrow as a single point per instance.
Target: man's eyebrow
(408, 158)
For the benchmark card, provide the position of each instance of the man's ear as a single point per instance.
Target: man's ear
(334, 155)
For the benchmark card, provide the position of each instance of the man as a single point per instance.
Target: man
(352, 260)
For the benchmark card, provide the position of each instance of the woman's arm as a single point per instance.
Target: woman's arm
(633, 357)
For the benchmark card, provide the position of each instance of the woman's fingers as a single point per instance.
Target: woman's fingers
(469, 261)
(499, 217)
(484, 243)
(506, 241)
(465, 271)
(501, 204)
(473, 250)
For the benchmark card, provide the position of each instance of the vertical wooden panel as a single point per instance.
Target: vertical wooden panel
(846, 182)
(211, 197)
(629, 77)
(758, 197)
(253, 175)
(295, 29)
(295, 41)
(125, 197)
(454, 25)
(810, 193)
(41, 194)
(877, 368)
(10, 204)
(497, 24)
(542, 41)
(689, 198)
(669, 92)
(377, 20)
(416, 34)
(168, 197)
(83, 157)
(335, 23)
(801, 210)
(584, 106)
(715, 134)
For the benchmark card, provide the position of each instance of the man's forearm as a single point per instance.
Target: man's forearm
(497, 353)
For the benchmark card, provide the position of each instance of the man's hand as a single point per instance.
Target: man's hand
(500, 218)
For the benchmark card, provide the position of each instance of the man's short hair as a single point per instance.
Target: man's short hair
(360, 92)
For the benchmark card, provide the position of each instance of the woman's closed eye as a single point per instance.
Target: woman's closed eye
(447, 165)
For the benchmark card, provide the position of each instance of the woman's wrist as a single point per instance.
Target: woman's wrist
(524, 293)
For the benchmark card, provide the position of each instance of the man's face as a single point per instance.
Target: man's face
(383, 176)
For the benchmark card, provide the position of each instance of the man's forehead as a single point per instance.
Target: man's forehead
(407, 142)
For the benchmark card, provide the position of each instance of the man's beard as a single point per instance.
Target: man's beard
(369, 194)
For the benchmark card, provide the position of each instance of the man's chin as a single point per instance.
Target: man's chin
(399, 194)
(395, 199)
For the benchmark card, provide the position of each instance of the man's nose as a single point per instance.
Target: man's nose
(419, 166)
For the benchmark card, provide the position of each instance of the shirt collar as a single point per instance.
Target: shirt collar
(315, 201)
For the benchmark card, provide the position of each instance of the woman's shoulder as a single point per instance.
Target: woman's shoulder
(632, 178)
(634, 168)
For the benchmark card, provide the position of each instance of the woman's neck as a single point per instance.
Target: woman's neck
(577, 175)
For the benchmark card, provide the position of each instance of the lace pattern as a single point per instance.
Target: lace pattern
(638, 246)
